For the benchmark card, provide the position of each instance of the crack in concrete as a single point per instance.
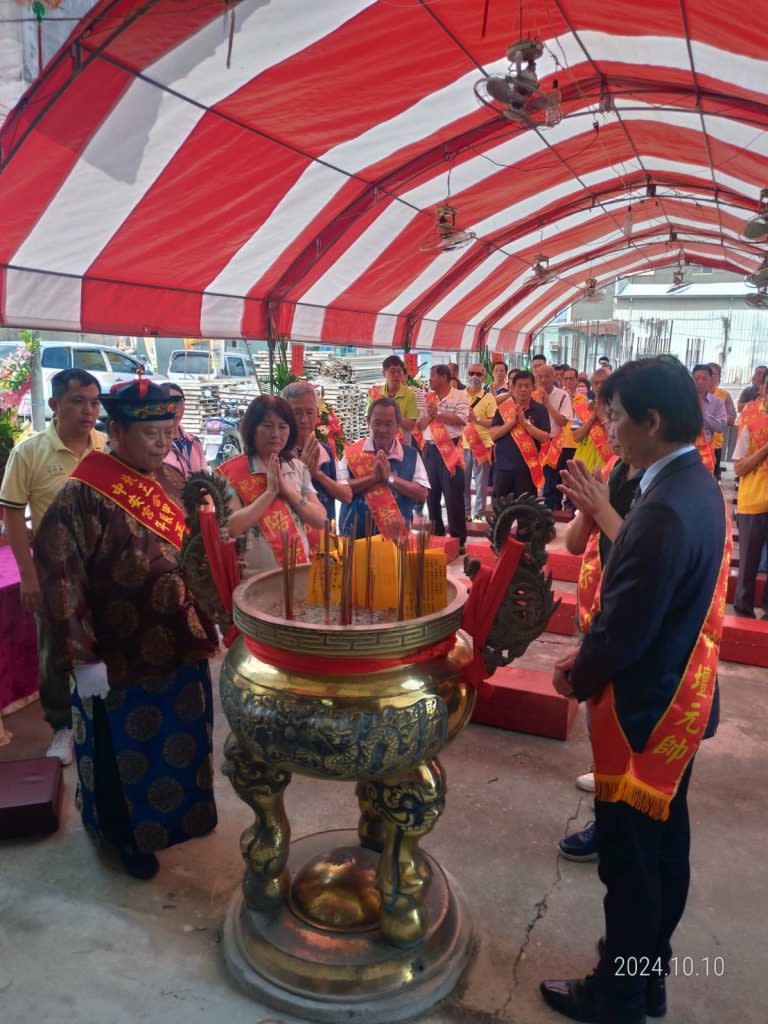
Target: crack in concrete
(540, 911)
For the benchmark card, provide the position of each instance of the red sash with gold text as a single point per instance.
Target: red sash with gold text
(139, 496)
(278, 516)
(379, 498)
(591, 571)
(442, 438)
(750, 412)
(524, 442)
(480, 450)
(599, 436)
(706, 451)
(649, 780)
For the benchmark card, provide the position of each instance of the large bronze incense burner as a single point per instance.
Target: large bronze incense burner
(345, 925)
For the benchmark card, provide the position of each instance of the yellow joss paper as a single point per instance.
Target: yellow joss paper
(434, 594)
(385, 576)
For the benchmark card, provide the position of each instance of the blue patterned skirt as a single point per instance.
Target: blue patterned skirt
(157, 754)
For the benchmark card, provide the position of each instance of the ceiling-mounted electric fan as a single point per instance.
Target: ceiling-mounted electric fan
(592, 292)
(760, 278)
(678, 278)
(758, 299)
(756, 229)
(517, 94)
(447, 236)
(541, 272)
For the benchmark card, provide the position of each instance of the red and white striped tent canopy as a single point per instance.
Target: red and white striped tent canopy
(205, 168)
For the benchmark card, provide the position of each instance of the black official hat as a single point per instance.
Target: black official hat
(139, 401)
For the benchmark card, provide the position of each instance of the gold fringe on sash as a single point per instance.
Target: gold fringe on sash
(626, 789)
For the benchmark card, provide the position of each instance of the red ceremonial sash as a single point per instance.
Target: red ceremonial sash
(525, 443)
(706, 451)
(600, 440)
(750, 412)
(758, 436)
(139, 496)
(591, 571)
(442, 438)
(649, 780)
(379, 499)
(480, 450)
(278, 516)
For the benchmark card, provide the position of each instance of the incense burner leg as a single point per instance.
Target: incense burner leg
(265, 844)
(370, 827)
(407, 809)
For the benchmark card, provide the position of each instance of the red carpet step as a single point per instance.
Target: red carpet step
(523, 700)
(745, 641)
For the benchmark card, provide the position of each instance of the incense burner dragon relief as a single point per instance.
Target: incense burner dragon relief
(383, 730)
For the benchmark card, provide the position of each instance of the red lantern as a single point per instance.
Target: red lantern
(297, 360)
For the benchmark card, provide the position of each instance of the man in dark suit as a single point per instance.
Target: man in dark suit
(648, 668)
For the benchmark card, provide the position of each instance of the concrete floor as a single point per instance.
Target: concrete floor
(81, 942)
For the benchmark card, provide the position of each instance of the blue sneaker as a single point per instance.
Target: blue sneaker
(581, 845)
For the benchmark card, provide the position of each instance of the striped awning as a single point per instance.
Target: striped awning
(203, 168)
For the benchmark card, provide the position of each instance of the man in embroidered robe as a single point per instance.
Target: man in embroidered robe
(648, 665)
(125, 625)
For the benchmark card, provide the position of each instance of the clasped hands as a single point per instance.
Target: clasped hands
(586, 490)
(276, 484)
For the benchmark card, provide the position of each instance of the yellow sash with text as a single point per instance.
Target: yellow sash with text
(276, 519)
(379, 499)
(139, 496)
(649, 780)
(750, 412)
(442, 438)
(524, 442)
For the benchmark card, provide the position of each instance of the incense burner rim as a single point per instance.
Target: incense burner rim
(385, 640)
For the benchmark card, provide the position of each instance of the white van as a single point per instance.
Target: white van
(108, 365)
(190, 363)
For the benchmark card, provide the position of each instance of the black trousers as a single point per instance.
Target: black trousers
(718, 458)
(645, 869)
(443, 485)
(753, 536)
(553, 499)
(512, 481)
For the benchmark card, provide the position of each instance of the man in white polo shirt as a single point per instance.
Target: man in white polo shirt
(560, 410)
(35, 472)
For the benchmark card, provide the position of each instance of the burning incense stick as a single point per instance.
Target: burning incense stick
(326, 577)
(369, 564)
(289, 552)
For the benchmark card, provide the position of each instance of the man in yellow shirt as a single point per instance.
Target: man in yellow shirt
(36, 470)
(396, 388)
(477, 436)
(750, 458)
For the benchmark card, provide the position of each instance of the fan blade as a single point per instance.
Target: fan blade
(756, 229)
(499, 89)
(758, 301)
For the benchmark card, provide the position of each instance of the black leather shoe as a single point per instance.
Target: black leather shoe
(655, 993)
(581, 999)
